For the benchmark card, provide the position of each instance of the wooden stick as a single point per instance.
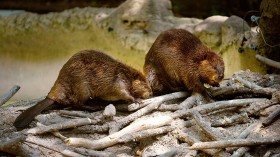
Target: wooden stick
(246, 83)
(65, 125)
(87, 129)
(55, 133)
(234, 143)
(208, 130)
(231, 90)
(186, 137)
(271, 118)
(76, 114)
(268, 61)
(240, 152)
(144, 134)
(186, 104)
(143, 124)
(88, 152)
(244, 134)
(9, 94)
(207, 108)
(228, 121)
(70, 153)
(147, 109)
(163, 98)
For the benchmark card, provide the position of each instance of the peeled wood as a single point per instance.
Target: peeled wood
(246, 83)
(231, 90)
(143, 124)
(163, 98)
(228, 121)
(145, 110)
(186, 137)
(272, 117)
(234, 143)
(70, 153)
(144, 134)
(207, 108)
(207, 129)
(59, 126)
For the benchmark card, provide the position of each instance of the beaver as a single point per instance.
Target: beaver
(178, 60)
(87, 75)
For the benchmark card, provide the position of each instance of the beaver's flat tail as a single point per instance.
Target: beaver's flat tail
(26, 117)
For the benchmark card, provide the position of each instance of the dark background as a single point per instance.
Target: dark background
(183, 8)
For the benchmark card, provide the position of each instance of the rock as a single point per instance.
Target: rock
(233, 27)
(138, 22)
(209, 31)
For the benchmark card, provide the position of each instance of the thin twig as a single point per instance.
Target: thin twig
(272, 117)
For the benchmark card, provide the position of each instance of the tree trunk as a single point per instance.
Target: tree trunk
(269, 26)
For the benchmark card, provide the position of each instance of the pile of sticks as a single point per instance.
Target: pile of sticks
(188, 119)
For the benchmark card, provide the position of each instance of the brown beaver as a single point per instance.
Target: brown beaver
(90, 74)
(178, 60)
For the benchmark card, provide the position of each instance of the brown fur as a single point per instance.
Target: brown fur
(91, 74)
(178, 60)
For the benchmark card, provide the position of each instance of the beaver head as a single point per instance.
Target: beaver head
(141, 89)
(211, 69)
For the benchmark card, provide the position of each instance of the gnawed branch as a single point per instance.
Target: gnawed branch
(143, 124)
(163, 98)
(234, 143)
(65, 125)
